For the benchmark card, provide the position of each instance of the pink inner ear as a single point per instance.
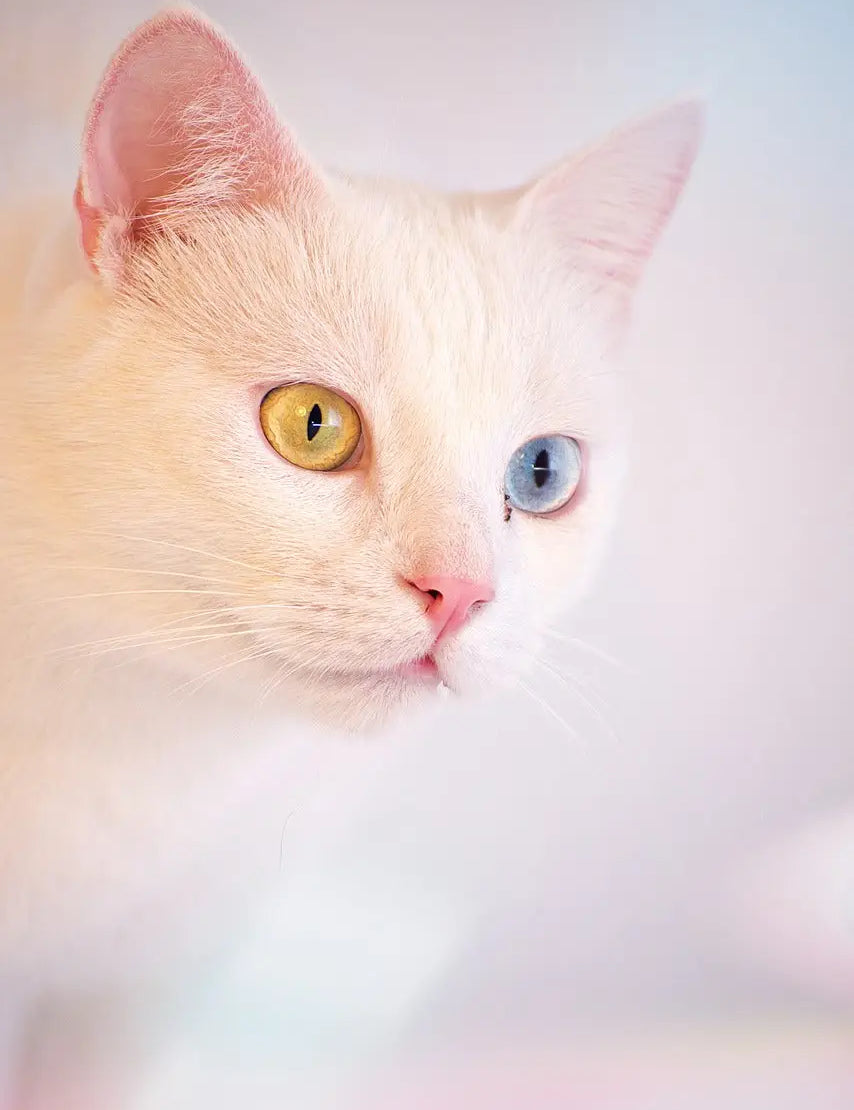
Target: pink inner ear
(606, 207)
(179, 122)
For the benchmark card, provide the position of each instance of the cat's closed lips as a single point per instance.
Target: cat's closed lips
(424, 668)
(420, 671)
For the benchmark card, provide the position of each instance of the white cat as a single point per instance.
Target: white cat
(276, 446)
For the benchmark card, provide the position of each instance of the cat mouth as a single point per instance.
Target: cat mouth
(422, 671)
(424, 668)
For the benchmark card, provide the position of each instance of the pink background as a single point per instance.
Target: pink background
(501, 897)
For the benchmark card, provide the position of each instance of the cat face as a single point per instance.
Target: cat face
(449, 331)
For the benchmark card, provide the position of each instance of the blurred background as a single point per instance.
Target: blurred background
(633, 888)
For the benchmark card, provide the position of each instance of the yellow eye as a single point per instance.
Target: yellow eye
(310, 426)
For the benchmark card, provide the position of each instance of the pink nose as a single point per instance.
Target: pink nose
(451, 600)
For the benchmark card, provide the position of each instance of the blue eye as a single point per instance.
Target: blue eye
(543, 474)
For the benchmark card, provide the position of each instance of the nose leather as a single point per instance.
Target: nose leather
(451, 600)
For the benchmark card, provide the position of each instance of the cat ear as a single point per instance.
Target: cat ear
(178, 124)
(605, 208)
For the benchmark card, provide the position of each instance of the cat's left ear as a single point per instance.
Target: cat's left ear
(604, 209)
(179, 124)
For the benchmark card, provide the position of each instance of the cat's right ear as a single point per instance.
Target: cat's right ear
(178, 124)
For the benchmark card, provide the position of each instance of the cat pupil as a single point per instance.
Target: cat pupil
(315, 422)
(542, 469)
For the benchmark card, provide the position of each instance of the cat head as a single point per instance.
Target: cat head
(342, 438)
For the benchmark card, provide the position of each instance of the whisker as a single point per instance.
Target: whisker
(173, 627)
(574, 687)
(144, 570)
(174, 640)
(127, 593)
(182, 547)
(599, 652)
(202, 680)
(289, 667)
(176, 626)
(168, 646)
(275, 681)
(550, 710)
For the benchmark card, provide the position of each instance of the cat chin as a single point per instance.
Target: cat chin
(363, 705)
(367, 702)
(369, 706)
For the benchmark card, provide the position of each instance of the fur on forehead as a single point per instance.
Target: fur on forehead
(369, 290)
(196, 203)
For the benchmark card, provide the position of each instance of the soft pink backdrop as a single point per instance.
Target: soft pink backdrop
(509, 885)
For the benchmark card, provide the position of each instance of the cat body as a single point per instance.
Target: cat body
(177, 601)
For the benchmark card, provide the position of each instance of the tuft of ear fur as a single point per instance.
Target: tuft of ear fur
(178, 123)
(605, 207)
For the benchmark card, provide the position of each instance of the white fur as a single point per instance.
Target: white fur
(177, 602)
